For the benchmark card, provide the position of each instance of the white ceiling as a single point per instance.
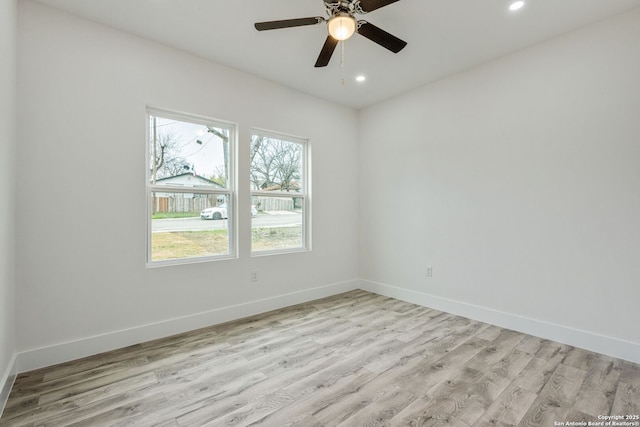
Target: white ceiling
(444, 37)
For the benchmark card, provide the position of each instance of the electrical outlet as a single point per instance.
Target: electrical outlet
(254, 276)
(429, 271)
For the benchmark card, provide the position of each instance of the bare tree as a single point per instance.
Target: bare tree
(219, 176)
(275, 164)
(166, 160)
(288, 165)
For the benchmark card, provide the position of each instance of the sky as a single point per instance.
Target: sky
(199, 147)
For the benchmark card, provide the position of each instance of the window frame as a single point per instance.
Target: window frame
(304, 194)
(230, 192)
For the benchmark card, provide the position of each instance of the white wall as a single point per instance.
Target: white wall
(518, 181)
(82, 282)
(8, 32)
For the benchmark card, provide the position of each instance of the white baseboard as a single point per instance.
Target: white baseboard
(6, 382)
(64, 352)
(587, 340)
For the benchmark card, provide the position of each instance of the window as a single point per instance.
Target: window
(279, 193)
(190, 188)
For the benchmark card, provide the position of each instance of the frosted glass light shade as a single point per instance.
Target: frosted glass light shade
(341, 27)
(516, 5)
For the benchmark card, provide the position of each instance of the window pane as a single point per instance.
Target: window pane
(189, 225)
(277, 224)
(276, 164)
(188, 154)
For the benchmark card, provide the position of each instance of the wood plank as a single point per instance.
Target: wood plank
(468, 395)
(630, 373)
(530, 344)
(500, 347)
(421, 413)
(535, 375)
(316, 407)
(627, 400)
(365, 402)
(509, 408)
(511, 365)
(121, 414)
(254, 410)
(381, 410)
(556, 398)
(599, 387)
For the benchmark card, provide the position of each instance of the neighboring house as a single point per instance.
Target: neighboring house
(186, 202)
(188, 179)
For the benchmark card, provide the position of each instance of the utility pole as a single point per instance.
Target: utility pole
(155, 162)
(155, 151)
(225, 148)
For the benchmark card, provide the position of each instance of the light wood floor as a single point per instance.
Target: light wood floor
(355, 359)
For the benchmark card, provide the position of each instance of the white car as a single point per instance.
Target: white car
(218, 212)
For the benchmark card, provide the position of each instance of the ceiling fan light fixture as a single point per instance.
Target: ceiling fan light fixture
(516, 5)
(342, 26)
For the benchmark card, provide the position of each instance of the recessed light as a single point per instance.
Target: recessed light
(360, 78)
(516, 5)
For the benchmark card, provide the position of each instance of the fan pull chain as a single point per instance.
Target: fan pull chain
(342, 62)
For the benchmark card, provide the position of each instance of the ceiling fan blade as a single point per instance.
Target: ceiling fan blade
(287, 23)
(326, 52)
(380, 36)
(369, 5)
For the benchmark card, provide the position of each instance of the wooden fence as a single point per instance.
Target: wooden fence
(164, 204)
(183, 204)
(276, 203)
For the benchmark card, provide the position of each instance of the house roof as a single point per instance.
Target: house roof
(200, 179)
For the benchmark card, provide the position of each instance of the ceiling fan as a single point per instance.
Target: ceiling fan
(341, 25)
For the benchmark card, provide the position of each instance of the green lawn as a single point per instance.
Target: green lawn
(188, 244)
(191, 244)
(166, 215)
(275, 238)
